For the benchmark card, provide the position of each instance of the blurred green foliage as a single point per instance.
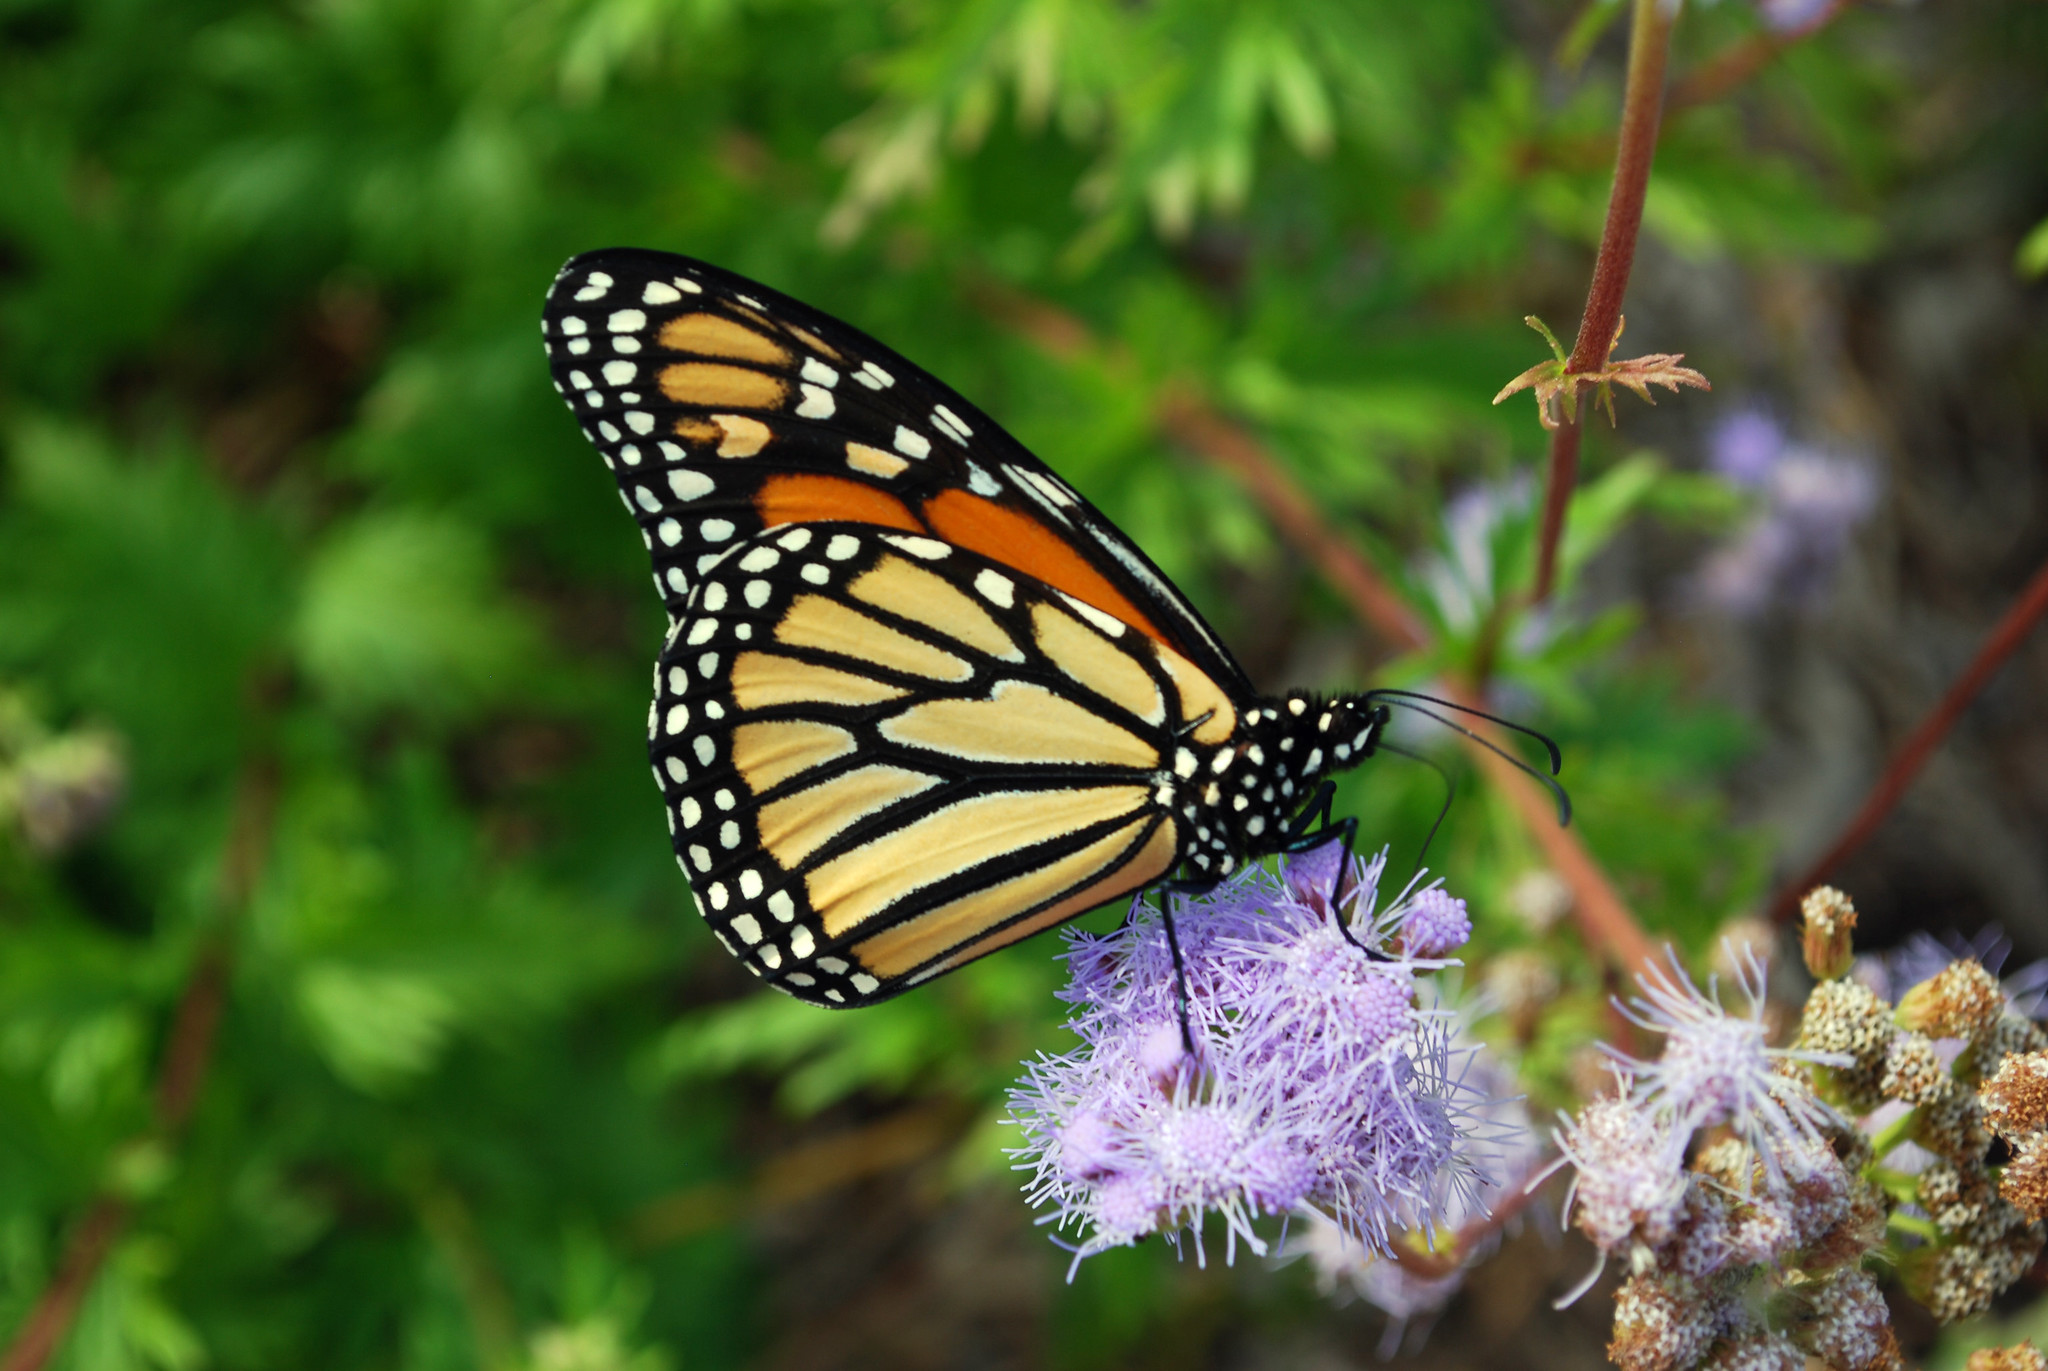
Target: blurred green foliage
(289, 511)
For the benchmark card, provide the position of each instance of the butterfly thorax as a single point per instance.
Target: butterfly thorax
(1240, 799)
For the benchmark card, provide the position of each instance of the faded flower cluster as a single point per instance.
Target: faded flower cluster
(1707, 1244)
(1317, 1083)
(1748, 1188)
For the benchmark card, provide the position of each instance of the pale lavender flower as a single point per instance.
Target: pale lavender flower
(1717, 1067)
(1317, 1083)
(1790, 16)
(1744, 446)
(1811, 501)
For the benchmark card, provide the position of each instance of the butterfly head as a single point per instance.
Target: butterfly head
(1243, 796)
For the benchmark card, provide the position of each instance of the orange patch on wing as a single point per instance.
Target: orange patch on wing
(698, 430)
(830, 499)
(1018, 540)
(815, 341)
(712, 335)
(716, 384)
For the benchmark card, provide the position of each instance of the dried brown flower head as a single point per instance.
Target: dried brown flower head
(1847, 1017)
(1663, 1321)
(2021, 1356)
(2024, 1183)
(2016, 1097)
(1913, 1071)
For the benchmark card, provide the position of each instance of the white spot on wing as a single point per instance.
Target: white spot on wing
(815, 370)
(928, 548)
(912, 444)
(660, 293)
(996, 587)
(1108, 623)
(981, 483)
(594, 287)
(690, 485)
(626, 321)
(817, 403)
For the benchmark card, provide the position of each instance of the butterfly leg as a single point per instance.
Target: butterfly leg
(1315, 827)
(1163, 894)
(1180, 974)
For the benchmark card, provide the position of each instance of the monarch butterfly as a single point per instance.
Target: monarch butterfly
(918, 699)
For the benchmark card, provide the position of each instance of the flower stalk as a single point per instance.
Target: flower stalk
(1649, 48)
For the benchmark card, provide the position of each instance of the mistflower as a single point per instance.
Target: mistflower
(1811, 501)
(1317, 1082)
(1718, 1068)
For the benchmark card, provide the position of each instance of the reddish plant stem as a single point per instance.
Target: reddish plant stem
(1434, 1266)
(187, 1051)
(1642, 107)
(1728, 69)
(2004, 639)
(42, 1332)
(1596, 905)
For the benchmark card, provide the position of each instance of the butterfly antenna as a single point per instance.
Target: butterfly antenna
(1564, 801)
(1556, 757)
(1450, 794)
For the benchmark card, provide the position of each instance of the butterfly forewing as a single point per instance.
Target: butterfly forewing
(724, 407)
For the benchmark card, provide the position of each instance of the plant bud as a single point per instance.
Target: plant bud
(1829, 919)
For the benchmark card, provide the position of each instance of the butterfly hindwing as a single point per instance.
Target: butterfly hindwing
(883, 755)
(724, 408)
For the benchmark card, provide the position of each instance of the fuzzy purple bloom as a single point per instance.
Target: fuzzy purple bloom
(1344, 1269)
(1317, 1082)
(1437, 924)
(1744, 446)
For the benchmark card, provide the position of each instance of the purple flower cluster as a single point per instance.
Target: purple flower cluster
(1810, 502)
(1317, 1083)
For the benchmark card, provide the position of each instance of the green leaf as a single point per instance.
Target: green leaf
(400, 610)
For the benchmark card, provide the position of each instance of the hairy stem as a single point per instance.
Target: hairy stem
(1642, 106)
(2004, 639)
